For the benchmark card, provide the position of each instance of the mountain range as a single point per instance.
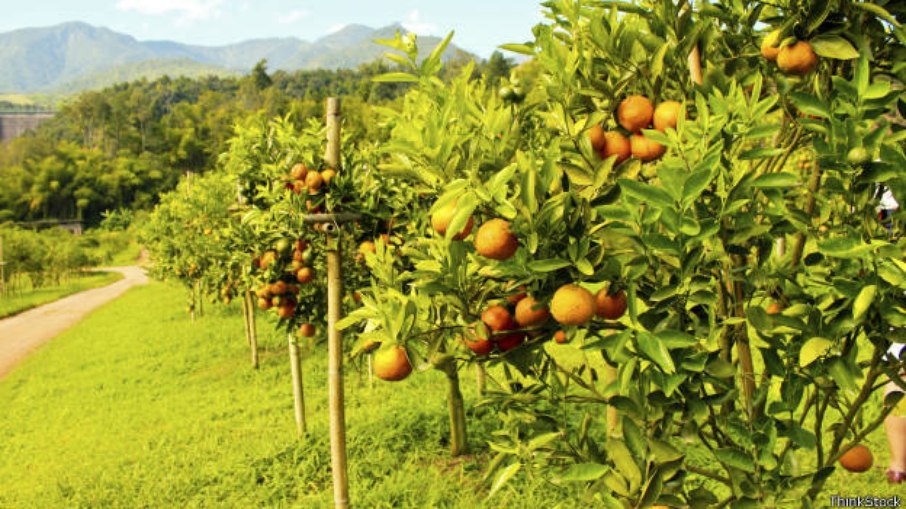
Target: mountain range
(75, 56)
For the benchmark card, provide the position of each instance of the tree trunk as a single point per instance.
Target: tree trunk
(250, 329)
(481, 378)
(459, 443)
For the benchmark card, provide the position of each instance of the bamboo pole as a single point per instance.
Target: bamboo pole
(2, 273)
(295, 363)
(250, 327)
(334, 338)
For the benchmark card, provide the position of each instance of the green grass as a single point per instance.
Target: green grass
(17, 302)
(139, 407)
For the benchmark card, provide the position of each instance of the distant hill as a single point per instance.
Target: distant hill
(77, 56)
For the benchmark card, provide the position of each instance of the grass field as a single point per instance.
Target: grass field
(18, 302)
(139, 407)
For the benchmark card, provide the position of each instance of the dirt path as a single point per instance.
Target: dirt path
(22, 334)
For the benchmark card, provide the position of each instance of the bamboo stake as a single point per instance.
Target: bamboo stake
(2, 273)
(334, 338)
(295, 363)
(252, 331)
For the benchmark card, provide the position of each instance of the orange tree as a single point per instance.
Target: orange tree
(185, 236)
(738, 356)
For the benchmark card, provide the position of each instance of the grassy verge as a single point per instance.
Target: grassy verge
(16, 303)
(139, 407)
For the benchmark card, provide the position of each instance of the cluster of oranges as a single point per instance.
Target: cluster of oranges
(302, 178)
(797, 59)
(504, 326)
(290, 264)
(635, 113)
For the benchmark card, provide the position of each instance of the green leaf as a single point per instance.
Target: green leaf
(847, 247)
(864, 300)
(522, 49)
(735, 458)
(583, 472)
(780, 180)
(548, 265)
(652, 348)
(878, 11)
(645, 192)
(671, 338)
(438, 51)
(396, 77)
(813, 350)
(810, 104)
(624, 462)
(760, 153)
(504, 476)
(834, 46)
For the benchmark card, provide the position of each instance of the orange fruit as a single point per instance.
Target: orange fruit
(644, 149)
(267, 259)
(572, 305)
(298, 171)
(516, 297)
(478, 345)
(264, 292)
(509, 341)
(278, 288)
(797, 59)
(774, 308)
(287, 309)
(300, 245)
(615, 144)
(305, 275)
(313, 181)
(857, 459)
(666, 115)
(560, 336)
(769, 49)
(497, 318)
(264, 303)
(635, 113)
(596, 136)
(495, 240)
(392, 364)
(367, 246)
(307, 330)
(441, 219)
(328, 175)
(530, 312)
(608, 306)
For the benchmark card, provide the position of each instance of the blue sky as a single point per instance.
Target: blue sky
(480, 25)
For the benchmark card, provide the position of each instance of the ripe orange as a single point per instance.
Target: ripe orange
(267, 259)
(313, 181)
(278, 288)
(497, 318)
(300, 245)
(560, 336)
(264, 303)
(516, 297)
(509, 341)
(307, 330)
(769, 49)
(392, 364)
(478, 345)
(305, 275)
(264, 292)
(298, 171)
(774, 308)
(298, 186)
(797, 59)
(328, 175)
(666, 115)
(530, 312)
(611, 307)
(644, 149)
(495, 240)
(367, 246)
(857, 459)
(596, 136)
(615, 144)
(441, 219)
(635, 113)
(287, 309)
(572, 305)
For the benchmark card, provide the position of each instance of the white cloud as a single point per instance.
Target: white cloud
(292, 17)
(188, 10)
(414, 23)
(336, 28)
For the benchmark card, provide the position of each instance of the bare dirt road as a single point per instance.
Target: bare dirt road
(22, 334)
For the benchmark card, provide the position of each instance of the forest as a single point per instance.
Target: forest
(121, 147)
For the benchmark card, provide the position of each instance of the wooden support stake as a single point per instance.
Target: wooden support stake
(334, 338)
(295, 363)
(250, 327)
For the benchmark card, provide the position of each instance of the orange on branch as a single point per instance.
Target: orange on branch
(797, 59)
(635, 113)
(495, 240)
(572, 305)
(392, 364)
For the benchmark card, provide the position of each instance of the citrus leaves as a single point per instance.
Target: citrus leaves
(834, 46)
